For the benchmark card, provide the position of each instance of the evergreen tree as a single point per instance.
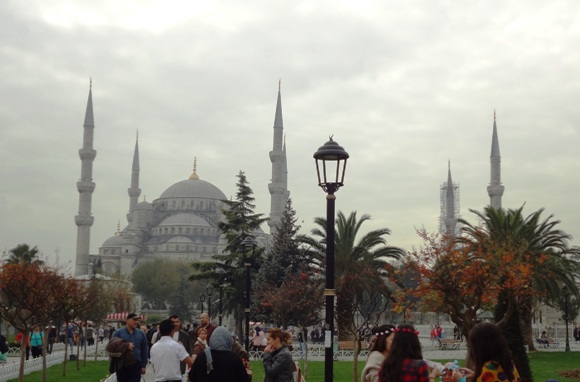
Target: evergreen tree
(285, 257)
(512, 331)
(239, 221)
(286, 274)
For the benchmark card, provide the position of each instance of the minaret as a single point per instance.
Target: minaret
(450, 219)
(495, 188)
(134, 190)
(278, 187)
(86, 186)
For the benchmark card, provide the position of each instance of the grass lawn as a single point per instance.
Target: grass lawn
(93, 371)
(544, 366)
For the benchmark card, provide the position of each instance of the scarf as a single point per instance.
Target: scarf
(221, 340)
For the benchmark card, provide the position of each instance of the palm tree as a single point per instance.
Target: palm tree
(23, 254)
(358, 264)
(536, 242)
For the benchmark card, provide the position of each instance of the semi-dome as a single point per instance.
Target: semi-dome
(144, 205)
(113, 241)
(184, 219)
(193, 188)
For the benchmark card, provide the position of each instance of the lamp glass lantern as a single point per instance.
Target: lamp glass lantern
(331, 166)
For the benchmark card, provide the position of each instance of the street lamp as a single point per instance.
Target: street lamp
(247, 243)
(330, 167)
(221, 278)
(209, 290)
(202, 299)
(566, 294)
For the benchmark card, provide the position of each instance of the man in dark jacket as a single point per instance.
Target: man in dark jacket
(182, 337)
(138, 345)
(121, 355)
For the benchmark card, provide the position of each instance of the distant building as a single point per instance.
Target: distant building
(449, 201)
(495, 188)
(180, 224)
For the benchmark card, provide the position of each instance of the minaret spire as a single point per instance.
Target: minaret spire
(495, 189)
(450, 218)
(134, 191)
(84, 219)
(278, 187)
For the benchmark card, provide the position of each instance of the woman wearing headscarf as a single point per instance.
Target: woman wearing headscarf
(277, 358)
(217, 363)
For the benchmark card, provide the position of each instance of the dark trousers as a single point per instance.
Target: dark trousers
(130, 373)
(36, 351)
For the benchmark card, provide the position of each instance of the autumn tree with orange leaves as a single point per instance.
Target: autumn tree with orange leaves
(27, 294)
(462, 280)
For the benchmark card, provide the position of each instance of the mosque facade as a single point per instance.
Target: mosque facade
(181, 224)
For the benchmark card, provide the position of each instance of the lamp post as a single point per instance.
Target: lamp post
(330, 167)
(566, 294)
(221, 278)
(246, 243)
(209, 290)
(202, 299)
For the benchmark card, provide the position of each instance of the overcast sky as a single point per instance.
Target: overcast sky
(404, 86)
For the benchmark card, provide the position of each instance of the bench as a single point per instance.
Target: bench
(346, 345)
(449, 344)
(547, 343)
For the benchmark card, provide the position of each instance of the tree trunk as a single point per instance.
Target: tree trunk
(344, 314)
(526, 317)
(22, 357)
(65, 353)
(356, 347)
(44, 348)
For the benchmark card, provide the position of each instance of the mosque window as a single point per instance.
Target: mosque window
(179, 229)
(173, 205)
(172, 229)
(203, 250)
(177, 247)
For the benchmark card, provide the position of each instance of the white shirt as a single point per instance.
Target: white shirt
(165, 356)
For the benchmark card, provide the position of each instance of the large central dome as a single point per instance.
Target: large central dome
(193, 188)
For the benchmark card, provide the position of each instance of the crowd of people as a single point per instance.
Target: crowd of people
(208, 353)
(205, 352)
(396, 356)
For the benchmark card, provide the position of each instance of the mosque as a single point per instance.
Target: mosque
(181, 224)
